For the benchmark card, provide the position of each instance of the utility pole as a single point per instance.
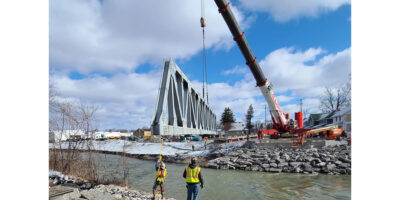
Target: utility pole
(301, 105)
(265, 119)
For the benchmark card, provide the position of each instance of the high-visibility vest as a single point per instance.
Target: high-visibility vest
(161, 175)
(192, 175)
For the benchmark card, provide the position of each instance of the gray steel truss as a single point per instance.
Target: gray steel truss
(180, 108)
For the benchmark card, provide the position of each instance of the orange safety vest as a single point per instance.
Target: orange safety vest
(192, 175)
(161, 175)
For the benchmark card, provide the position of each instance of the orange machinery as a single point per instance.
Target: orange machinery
(330, 132)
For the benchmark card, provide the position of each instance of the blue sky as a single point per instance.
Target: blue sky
(110, 53)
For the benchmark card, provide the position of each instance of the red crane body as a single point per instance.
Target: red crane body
(281, 121)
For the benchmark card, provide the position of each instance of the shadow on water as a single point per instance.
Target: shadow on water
(229, 184)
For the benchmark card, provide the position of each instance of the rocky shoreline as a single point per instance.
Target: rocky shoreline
(78, 188)
(331, 160)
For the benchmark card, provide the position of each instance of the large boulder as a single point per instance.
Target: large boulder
(223, 166)
(250, 145)
(265, 166)
(233, 159)
(212, 165)
(286, 157)
(344, 165)
(245, 162)
(96, 194)
(231, 167)
(283, 164)
(287, 169)
(321, 164)
(254, 168)
(308, 168)
(308, 159)
(274, 165)
(344, 159)
(295, 164)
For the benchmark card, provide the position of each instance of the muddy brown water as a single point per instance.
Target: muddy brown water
(230, 184)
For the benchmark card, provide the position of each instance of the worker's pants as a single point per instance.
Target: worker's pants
(193, 190)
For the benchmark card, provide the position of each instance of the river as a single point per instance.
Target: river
(230, 184)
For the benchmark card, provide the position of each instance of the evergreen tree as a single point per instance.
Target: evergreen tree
(249, 115)
(227, 118)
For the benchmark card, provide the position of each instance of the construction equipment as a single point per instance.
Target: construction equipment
(330, 132)
(281, 121)
(333, 134)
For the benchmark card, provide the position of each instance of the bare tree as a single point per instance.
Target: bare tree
(67, 120)
(258, 125)
(125, 168)
(336, 98)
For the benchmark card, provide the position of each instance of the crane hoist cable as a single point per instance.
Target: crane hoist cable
(162, 142)
(203, 25)
(160, 158)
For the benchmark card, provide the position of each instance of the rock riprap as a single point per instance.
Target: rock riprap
(333, 160)
(86, 190)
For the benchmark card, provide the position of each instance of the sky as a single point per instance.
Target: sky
(110, 53)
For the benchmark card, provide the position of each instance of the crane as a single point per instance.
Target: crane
(281, 121)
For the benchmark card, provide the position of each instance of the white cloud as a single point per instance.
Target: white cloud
(285, 10)
(236, 70)
(128, 103)
(120, 35)
(125, 102)
(89, 36)
(287, 70)
(310, 105)
(284, 98)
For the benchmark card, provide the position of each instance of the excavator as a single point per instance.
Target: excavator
(281, 122)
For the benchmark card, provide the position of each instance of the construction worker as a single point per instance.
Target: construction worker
(193, 177)
(160, 178)
(158, 163)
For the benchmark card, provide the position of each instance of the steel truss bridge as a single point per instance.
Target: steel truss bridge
(180, 108)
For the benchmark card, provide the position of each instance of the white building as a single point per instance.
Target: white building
(342, 118)
(236, 128)
(111, 135)
(57, 136)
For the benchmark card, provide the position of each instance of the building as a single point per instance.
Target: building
(59, 136)
(236, 128)
(142, 133)
(341, 118)
(319, 120)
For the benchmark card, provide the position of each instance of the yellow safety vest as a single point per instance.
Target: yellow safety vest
(192, 175)
(161, 175)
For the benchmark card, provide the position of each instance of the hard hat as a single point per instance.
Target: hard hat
(193, 160)
(162, 165)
